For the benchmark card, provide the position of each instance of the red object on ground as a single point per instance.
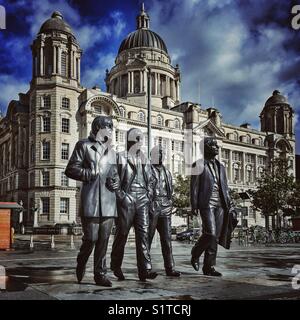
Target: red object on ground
(5, 229)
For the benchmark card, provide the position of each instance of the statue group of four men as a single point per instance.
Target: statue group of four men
(127, 189)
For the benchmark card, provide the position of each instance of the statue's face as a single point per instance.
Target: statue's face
(211, 148)
(157, 155)
(106, 129)
(135, 140)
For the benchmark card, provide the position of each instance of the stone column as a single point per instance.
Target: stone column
(244, 168)
(42, 61)
(174, 90)
(54, 60)
(78, 66)
(141, 81)
(129, 82)
(178, 90)
(168, 88)
(75, 65)
(145, 83)
(230, 178)
(158, 84)
(59, 60)
(132, 81)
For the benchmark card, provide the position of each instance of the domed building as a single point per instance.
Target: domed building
(40, 130)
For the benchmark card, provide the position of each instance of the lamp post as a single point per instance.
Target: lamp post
(149, 111)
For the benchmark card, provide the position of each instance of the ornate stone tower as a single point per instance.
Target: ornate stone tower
(53, 130)
(277, 120)
(277, 115)
(140, 50)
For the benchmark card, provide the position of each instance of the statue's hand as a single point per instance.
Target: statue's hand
(113, 185)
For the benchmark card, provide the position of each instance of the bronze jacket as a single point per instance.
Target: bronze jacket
(201, 191)
(91, 163)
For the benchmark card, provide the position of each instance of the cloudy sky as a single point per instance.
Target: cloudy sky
(232, 53)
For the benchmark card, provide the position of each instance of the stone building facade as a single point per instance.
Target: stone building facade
(40, 130)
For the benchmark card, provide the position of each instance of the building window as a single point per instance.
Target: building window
(64, 180)
(65, 151)
(32, 153)
(160, 120)
(47, 102)
(249, 175)
(32, 180)
(236, 156)
(64, 64)
(141, 116)
(46, 124)
(32, 127)
(137, 82)
(46, 150)
(235, 136)
(177, 124)
(64, 205)
(45, 178)
(65, 103)
(65, 125)
(45, 205)
(122, 112)
(225, 154)
(250, 158)
(236, 173)
(262, 160)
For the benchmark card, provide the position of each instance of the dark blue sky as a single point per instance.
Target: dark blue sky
(231, 52)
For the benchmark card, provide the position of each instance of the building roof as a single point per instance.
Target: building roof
(56, 22)
(276, 99)
(143, 36)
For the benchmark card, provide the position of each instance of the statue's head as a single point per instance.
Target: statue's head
(211, 148)
(158, 155)
(102, 128)
(135, 139)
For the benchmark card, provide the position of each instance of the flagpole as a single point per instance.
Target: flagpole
(149, 111)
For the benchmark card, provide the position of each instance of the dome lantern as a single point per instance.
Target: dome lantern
(143, 19)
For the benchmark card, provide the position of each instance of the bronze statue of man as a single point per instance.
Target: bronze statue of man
(133, 202)
(92, 162)
(161, 209)
(210, 198)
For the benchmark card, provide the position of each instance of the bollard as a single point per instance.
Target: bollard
(52, 242)
(72, 242)
(2, 278)
(31, 245)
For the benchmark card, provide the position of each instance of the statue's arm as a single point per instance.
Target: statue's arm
(75, 168)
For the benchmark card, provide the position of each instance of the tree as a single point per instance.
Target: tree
(274, 190)
(181, 196)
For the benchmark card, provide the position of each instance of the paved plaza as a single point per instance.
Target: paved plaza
(248, 273)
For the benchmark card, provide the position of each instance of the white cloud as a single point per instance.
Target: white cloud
(236, 68)
(10, 88)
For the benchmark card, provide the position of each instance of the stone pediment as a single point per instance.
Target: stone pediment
(209, 128)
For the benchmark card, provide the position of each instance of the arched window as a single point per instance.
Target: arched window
(141, 116)
(65, 103)
(248, 138)
(235, 136)
(177, 124)
(64, 64)
(160, 120)
(122, 112)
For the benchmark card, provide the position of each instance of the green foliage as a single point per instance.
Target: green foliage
(181, 196)
(276, 189)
